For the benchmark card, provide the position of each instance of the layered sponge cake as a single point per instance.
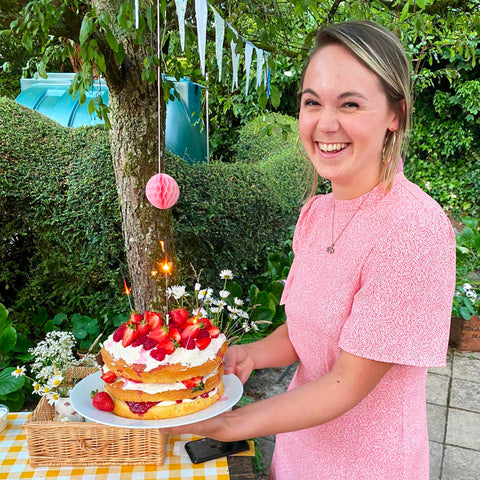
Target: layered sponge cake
(156, 370)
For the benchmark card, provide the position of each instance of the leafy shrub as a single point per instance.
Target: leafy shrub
(61, 243)
(266, 135)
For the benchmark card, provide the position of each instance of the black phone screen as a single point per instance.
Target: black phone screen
(207, 449)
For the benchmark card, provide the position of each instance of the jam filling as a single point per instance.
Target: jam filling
(140, 407)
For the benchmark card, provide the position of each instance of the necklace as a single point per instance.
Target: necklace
(331, 247)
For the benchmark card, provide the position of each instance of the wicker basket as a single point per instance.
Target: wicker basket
(87, 443)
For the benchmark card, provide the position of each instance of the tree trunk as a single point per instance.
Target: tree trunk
(134, 148)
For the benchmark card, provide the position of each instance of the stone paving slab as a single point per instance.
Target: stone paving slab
(436, 422)
(437, 389)
(466, 368)
(463, 429)
(460, 464)
(436, 457)
(465, 395)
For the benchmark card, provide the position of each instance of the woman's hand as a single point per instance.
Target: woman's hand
(239, 362)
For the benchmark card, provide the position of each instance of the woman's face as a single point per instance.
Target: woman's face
(344, 118)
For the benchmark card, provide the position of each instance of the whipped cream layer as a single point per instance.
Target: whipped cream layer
(138, 355)
(153, 388)
(168, 403)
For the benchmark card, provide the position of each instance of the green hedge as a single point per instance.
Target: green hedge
(60, 231)
(59, 219)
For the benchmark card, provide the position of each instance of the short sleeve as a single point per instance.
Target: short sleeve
(401, 313)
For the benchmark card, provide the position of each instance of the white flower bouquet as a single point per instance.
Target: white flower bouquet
(53, 357)
(231, 314)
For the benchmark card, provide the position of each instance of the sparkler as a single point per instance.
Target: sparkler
(127, 293)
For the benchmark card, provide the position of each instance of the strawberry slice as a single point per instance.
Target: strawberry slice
(143, 328)
(202, 343)
(154, 319)
(130, 334)
(118, 333)
(188, 343)
(109, 377)
(135, 318)
(179, 316)
(174, 334)
(191, 331)
(206, 322)
(167, 345)
(214, 332)
(159, 334)
(192, 382)
(203, 333)
(149, 343)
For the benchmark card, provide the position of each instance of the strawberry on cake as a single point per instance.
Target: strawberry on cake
(155, 370)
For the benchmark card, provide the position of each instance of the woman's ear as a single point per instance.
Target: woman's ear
(399, 112)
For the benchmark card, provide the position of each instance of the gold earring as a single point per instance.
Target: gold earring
(304, 155)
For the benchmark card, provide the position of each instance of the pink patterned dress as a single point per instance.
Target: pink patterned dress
(385, 294)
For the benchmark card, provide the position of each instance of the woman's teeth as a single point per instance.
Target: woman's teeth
(332, 147)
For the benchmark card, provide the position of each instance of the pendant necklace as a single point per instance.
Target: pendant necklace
(331, 247)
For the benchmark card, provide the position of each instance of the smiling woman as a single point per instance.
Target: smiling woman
(359, 320)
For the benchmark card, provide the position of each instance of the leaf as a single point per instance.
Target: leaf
(111, 40)
(261, 313)
(9, 383)
(8, 339)
(405, 11)
(85, 29)
(59, 318)
(14, 400)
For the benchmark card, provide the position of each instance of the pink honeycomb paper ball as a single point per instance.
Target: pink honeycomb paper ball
(162, 191)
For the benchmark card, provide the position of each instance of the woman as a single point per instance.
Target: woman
(369, 294)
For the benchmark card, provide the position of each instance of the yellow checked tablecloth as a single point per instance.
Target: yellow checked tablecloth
(14, 462)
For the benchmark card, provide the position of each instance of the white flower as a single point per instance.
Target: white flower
(37, 388)
(205, 294)
(214, 309)
(221, 304)
(19, 372)
(226, 275)
(52, 397)
(224, 293)
(254, 326)
(55, 381)
(237, 301)
(246, 326)
(288, 73)
(197, 287)
(467, 286)
(178, 291)
(242, 313)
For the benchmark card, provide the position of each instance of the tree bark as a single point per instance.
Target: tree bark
(134, 149)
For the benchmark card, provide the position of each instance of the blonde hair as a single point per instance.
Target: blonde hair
(381, 52)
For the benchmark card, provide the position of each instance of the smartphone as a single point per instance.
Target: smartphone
(207, 449)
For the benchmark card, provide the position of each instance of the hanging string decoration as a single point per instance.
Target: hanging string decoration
(161, 190)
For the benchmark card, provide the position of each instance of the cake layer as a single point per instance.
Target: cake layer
(167, 409)
(163, 373)
(180, 392)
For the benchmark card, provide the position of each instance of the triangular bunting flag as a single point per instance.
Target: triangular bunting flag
(181, 6)
(248, 63)
(219, 36)
(201, 14)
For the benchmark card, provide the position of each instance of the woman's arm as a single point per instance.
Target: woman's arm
(312, 404)
(276, 350)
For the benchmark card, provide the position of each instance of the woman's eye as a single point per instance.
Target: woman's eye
(350, 105)
(310, 102)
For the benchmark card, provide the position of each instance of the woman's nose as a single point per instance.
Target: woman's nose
(327, 121)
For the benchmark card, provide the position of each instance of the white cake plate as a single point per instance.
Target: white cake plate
(82, 403)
